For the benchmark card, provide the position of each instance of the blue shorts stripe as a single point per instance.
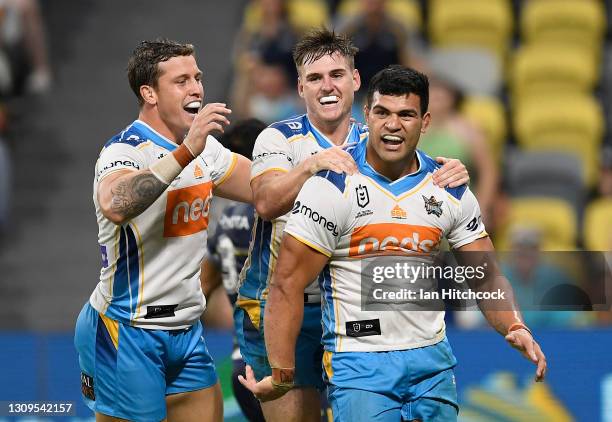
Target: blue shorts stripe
(106, 354)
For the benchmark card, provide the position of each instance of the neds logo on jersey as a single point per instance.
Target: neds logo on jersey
(187, 210)
(393, 238)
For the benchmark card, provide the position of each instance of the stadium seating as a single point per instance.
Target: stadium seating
(489, 115)
(568, 22)
(474, 70)
(307, 14)
(540, 69)
(302, 14)
(408, 12)
(474, 23)
(569, 123)
(551, 173)
(598, 225)
(553, 217)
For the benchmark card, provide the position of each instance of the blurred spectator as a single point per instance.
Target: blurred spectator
(451, 135)
(605, 179)
(536, 282)
(264, 44)
(381, 39)
(263, 91)
(22, 37)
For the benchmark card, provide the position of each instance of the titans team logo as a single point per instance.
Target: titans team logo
(432, 206)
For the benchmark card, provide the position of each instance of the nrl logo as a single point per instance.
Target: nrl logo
(432, 206)
(363, 197)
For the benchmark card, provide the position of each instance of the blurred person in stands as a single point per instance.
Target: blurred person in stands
(227, 251)
(537, 282)
(454, 135)
(380, 38)
(262, 50)
(139, 338)
(605, 179)
(286, 155)
(265, 93)
(22, 35)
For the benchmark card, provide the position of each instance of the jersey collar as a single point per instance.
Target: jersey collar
(325, 142)
(154, 136)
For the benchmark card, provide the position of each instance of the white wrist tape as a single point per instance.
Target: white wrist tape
(166, 169)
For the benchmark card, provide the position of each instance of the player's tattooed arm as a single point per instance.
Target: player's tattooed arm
(134, 195)
(128, 194)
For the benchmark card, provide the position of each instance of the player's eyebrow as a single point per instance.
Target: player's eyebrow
(313, 75)
(198, 74)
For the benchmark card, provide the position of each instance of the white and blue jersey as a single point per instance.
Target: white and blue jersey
(280, 147)
(151, 264)
(350, 218)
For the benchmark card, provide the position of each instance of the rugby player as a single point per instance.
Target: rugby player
(379, 366)
(286, 155)
(140, 342)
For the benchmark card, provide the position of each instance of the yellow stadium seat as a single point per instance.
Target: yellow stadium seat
(407, 12)
(478, 23)
(578, 22)
(554, 218)
(302, 15)
(565, 123)
(545, 68)
(598, 225)
(489, 115)
(308, 14)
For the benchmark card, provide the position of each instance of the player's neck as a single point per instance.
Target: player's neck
(392, 170)
(336, 132)
(156, 123)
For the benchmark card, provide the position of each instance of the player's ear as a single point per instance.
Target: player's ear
(426, 122)
(356, 80)
(148, 94)
(366, 111)
(300, 87)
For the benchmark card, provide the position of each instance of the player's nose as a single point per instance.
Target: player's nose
(327, 85)
(392, 122)
(195, 88)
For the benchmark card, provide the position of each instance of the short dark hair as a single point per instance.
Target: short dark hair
(400, 80)
(143, 66)
(240, 137)
(323, 42)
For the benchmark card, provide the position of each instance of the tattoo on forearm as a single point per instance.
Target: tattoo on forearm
(131, 197)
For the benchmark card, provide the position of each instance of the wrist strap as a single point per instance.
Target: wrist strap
(183, 155)
(283, 377)
(167, 168)
(519, 326)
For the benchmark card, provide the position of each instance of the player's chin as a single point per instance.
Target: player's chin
(188, 118)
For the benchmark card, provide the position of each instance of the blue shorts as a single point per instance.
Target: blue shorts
(127, 372)
(391, 386)
(248, 321)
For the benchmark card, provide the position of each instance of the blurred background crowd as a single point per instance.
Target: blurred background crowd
(521, 92)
